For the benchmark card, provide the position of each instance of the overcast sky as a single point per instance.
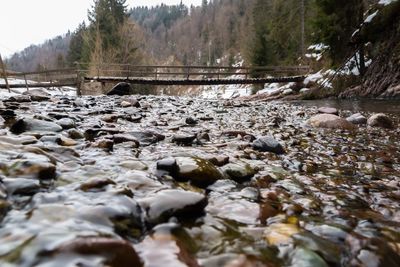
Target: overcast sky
(26, 22)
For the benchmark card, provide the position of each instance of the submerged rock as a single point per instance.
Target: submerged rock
(380, 120)
(268, 144)
(34, 125)
(183, 139)
(239, 171)
(173, 203)
(198, 171)
(330, 121)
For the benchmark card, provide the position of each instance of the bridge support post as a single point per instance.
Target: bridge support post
(5, 74)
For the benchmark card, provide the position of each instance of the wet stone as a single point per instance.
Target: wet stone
(32, 169)
(239, 171)
(199, 172)
(183, 139)
(173, 203)
(357, 118)
(123, 138)
(169, 165)
(96, 184)
(66, 123)
(20, 186)
(268, 144)
(33, 125)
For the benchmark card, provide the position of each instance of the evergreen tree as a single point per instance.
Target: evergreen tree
(335, 23)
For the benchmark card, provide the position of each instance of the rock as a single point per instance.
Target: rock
(239, 133)
(219, 160)
(123, 138)
(199, 172)
(163, 205)
(96, 184)
(305, 90)
(191, 121)
(19, 140)
(147, 138)
(121, 89)
(287, 92)
(280, 233)
(357, 118)
(169, 165)
(268, 144)
(380, 120)
(21, 186)
(330, 121)
(133, 102)
(66, 123)
(125, 104)
(203, 136)
(110, 118)
(239, 171)
(306, 258)
(35, 169)
(37, 95)
(20, 99)
(4, 208)
(75, 134)
(64, 141)
(105, 144)
(328, 110)
(183, 139)
(116, 252)
(33, 125)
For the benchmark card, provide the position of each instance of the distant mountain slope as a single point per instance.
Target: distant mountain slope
(50, 54)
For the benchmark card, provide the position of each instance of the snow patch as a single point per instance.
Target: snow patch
(386, 2)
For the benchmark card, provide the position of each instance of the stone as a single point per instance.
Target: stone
(380, 120)
(238, 171)
(66, 123)
(163, 205)
(330, 121)
(183, 139)
(268, 144)
(37, 95)
(123, 138)
(110, 118)
(121, 89)
(105, 144)
(197, 171)
(169, 165)
(287, 92)
(21, 186)
(75, 134)
(305, 257)
(125, 104)
(116, 252)
(357, 118)
(34, 125)
(20, 99)
(147, 138)
(280, 233)
(328, 110)
(64, 141)
(190, 121)
(133, 102)
(305, 90)
(96, 184)
(36, 169)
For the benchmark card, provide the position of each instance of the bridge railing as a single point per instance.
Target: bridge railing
(156, 72)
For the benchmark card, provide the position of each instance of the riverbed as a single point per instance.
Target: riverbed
(168, 181)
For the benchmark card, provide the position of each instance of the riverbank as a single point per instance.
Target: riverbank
(168, 181)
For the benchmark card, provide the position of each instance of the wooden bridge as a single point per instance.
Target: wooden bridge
(153, 75)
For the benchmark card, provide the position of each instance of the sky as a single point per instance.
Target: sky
(26, 22)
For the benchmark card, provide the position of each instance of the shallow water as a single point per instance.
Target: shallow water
(356, 105)
(177, 182)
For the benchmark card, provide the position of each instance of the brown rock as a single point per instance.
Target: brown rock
(330, 121)
(380, 120)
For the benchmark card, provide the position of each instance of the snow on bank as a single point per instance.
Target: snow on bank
(386, 2)
(53, 91)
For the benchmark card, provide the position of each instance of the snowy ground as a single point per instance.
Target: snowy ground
(55, 91)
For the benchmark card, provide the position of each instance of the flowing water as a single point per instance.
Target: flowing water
(165, 181)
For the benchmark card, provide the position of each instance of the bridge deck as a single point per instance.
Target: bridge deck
(152, 81)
